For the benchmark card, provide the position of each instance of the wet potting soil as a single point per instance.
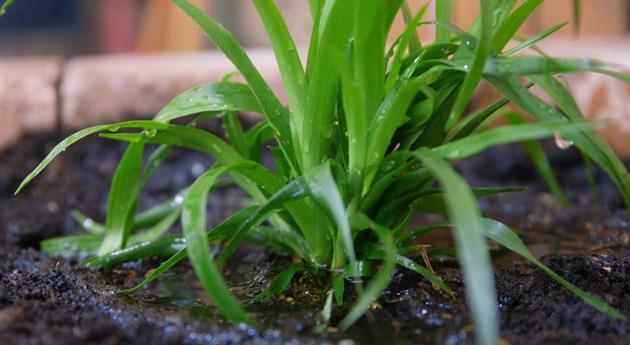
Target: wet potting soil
(46, 300)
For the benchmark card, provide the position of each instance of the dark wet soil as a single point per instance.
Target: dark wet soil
(46, 300)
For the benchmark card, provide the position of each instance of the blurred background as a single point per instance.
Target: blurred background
(96, 61)
(79, 27)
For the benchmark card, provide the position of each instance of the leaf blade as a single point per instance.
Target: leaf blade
(122, 199)
(194, 230)
(472, 250)
(223, 96)
(509, 239)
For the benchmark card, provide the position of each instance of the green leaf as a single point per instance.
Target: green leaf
(313, 45)
(196, 139)
(287, 238)
(150, 127)
(369, 49)
(69, 246)
(435, 203)
(155, 159)
(5, 6)
(58, 149)
(414, 41)
(474, 121)
(158, 229)
(338, 283)
(391, 9)
(88, 224)
(443, 14)
(225, 41)
(161, 247)
(597, 149)
(381, 279)
(217, 97)
(323, 189)
(615, 74)
(392, 114)
(509, 239)
(535, 65)
(315, 6)
(378, 253)
(482, 52)
(252, 180)
(533, 40)
(178, 250)
(478, 142)
(586, 141)
(502, 11)
(256, 136)
(377, 190)
(326, 313)
(409, 36)
(538, 156)
(288, 61)
(155, 273)
(280, 282)
(414, 234)
(424, 272)
(335, 28)
(234, 130)
(356, 124)
(472, 250)
(156, 213)
(391, 211)
(506, 31)
(122, 199)
(577, 15)
(292, 191)
(194, 229)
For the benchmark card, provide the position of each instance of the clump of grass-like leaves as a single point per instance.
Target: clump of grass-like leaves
(366, 141)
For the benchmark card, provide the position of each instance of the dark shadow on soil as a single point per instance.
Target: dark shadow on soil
(47, 300)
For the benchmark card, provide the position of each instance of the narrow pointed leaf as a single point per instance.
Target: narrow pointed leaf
(472, 250)
(335, 27)
(536, 65)
(475, 70)
(323, 189)
(292, 191)
(280, 282)
(381, 279)
(538, 156)
(506, 31)
(225, 41)
(122, 199)
(443, 14)
(509, 239)
(369, 49)
(288, 61)
(223, 96)
(533, 40)
(194, 229)
(478, 142)
(221, 231)
(586, 141)
(69, 246)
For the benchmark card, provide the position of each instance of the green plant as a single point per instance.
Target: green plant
(5, 6)
(369, 132)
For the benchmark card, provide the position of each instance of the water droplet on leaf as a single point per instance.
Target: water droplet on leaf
(150, 132)
(562, 143)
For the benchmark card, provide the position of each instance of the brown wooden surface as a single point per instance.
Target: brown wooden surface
(164, 27)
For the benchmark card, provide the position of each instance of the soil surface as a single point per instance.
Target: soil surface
(45, 300)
